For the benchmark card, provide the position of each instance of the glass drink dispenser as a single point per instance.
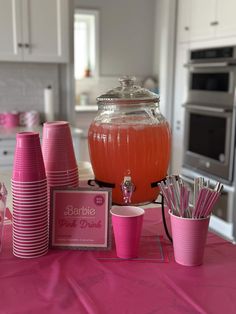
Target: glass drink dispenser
(129, 143)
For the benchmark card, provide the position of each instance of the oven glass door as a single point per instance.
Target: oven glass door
(217, 82)
(209, 141)
(207, 135)
(212, 85)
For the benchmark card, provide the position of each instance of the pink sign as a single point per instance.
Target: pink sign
(80, 218)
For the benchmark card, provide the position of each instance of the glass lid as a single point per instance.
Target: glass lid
(128, 92)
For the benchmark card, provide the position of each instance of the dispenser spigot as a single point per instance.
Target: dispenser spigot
(127, 188)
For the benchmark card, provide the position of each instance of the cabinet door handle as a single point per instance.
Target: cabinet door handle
(26, 45)
(5, 152)
(20, 45)
(186, 28)
(214, 23)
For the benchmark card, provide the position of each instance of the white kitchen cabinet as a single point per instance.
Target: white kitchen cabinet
(180, 95)
(205, 20)
(7, 150)
(203, 14)
(34, 30)
(225, 17)
(183, 20)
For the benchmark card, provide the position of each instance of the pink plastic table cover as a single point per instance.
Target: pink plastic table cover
(76, 282)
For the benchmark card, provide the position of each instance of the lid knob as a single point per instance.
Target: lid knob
(127, 81)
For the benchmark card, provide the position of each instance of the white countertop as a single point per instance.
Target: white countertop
(85, 173)
(88, 108)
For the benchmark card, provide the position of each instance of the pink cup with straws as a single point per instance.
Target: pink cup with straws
(127, 225)
(189, 239)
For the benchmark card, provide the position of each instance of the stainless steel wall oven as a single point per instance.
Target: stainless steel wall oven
(209, 140)
(209, 135)
(209, 143)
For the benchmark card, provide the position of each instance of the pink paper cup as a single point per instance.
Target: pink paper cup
(189, 239)
(30, 255)
(61, 178)
(11, 119)
(31, 217)
(33, 196)
(62, 173)
(30, 233)
(31, 184)
(30, 241)
(28, 160)
(27, 140)
(127, 226)
(28, 249)
(23, 220)
(56, 129)
(58, 150)
(30, 236)
(63, 182)
(29, 209)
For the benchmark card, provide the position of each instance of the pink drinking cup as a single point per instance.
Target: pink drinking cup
(30, 209)
(28, 192)
(10, 119)
(29, 189)
(189, 239)
(28, 248)
(44, 252)
(27, 140)
(30, 254)
(31, 243)
(62, 173)
(28, 162)
(59, 161)
(31, 225)
(58, 150)
(56, 130)
(30, 215)
(20, 219)
(36, 232)
(31, 240)
(31, 234)
(62, 177)
(28, 196)
(127, 226)
(65, 181)
(30, 251)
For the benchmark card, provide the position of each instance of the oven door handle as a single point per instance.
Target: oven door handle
(209, 65)
(206, 108)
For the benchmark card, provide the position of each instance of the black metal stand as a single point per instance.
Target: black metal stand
(162, 203)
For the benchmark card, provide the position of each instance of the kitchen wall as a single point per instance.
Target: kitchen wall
(22, 85)
(126, 43)
(136, 37)
(126, 35)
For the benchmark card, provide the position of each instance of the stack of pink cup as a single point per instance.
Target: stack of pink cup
(58, 154)
(30, 201)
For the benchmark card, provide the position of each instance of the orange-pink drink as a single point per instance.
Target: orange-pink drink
(141, 151)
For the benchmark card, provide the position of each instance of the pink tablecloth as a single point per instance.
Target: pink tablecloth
(74, 282)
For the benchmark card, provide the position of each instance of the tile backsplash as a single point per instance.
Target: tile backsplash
(22, 86)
